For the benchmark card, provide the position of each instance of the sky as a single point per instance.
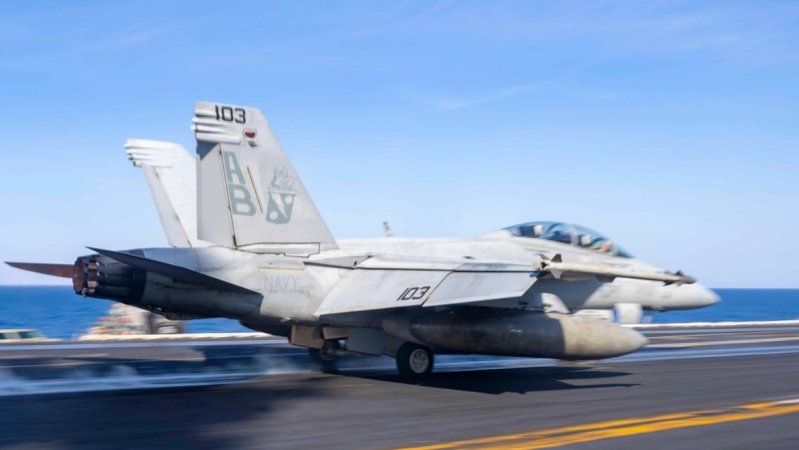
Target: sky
(671, 126)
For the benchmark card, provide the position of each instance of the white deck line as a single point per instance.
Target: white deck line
(668, 326)
(190, 337)
(173, 337)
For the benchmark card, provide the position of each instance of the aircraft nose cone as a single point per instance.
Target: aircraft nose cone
(704, 296)
(689, 296)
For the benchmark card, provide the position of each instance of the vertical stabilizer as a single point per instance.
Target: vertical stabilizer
(248, 195)
(171, 176)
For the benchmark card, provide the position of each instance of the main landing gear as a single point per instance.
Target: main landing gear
(414, 362)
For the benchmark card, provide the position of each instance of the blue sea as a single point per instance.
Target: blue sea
(57, 312)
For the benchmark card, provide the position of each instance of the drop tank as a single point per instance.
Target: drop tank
(493, 331)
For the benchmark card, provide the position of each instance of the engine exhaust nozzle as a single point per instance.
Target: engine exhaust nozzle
(103, 277)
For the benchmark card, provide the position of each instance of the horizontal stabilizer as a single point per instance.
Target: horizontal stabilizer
(56, 270)
(177, 273)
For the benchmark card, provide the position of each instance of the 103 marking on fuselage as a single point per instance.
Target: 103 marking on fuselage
(414, 293)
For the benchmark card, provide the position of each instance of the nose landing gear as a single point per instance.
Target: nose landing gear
(327, 356)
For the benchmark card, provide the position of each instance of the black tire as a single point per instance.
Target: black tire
(324, 360)
(414, 362)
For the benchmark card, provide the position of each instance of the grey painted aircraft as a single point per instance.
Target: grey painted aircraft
(263, 255)
(171, 177)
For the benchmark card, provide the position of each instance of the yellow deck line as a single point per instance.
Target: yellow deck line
(556, 437)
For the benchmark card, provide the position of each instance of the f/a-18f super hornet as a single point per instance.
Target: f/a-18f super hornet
(264, 256)
(170, 172)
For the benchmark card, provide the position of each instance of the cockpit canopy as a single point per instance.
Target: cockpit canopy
(568, 233)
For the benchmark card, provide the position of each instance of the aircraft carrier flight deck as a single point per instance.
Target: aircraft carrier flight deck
(731, 387)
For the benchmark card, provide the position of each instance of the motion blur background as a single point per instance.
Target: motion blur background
(670, 126)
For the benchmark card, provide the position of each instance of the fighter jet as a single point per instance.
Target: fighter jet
(271, 263)
(171, 177)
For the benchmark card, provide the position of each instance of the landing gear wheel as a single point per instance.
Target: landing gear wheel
(414, 361)
(325, 357)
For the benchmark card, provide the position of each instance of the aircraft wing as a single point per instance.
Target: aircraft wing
(385, 282)
(390, 282)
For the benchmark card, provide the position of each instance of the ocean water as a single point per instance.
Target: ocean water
(740, 305)
(57, 312)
